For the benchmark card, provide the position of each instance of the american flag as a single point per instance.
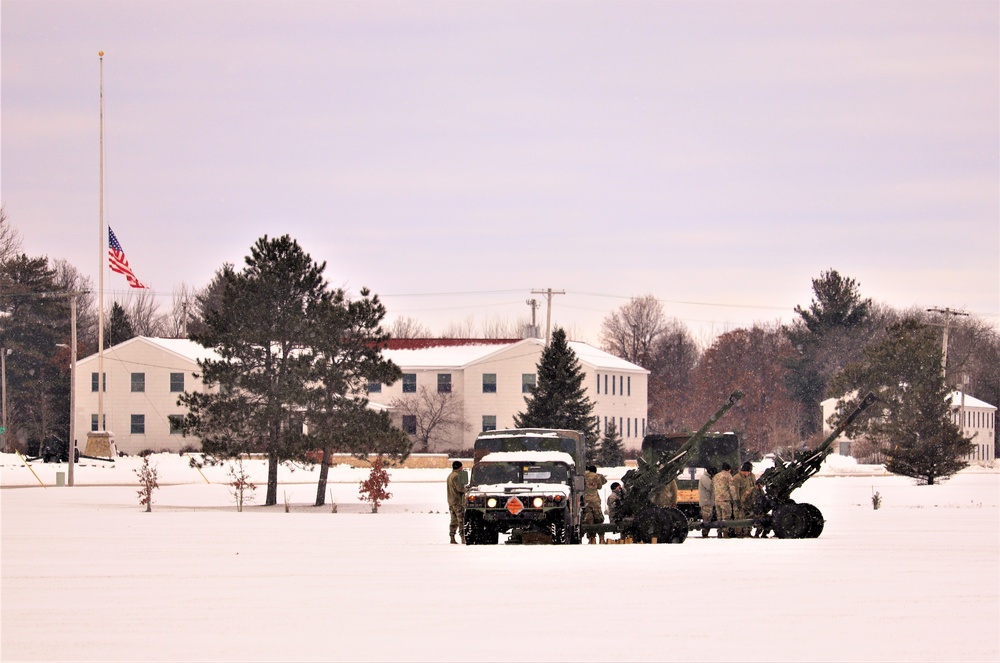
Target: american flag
(116, 257)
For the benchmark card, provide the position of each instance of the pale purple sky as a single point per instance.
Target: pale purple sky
(718, 155)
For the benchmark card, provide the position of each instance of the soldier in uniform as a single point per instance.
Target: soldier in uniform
(666, 497)
(759, 506)
(456, 495)
(614, 501)
(706, 498)
(722, 490)
(593, 513)
(743, 486)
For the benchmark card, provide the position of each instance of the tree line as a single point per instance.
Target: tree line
(306, 380)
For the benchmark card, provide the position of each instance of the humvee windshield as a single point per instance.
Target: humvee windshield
(494, 473)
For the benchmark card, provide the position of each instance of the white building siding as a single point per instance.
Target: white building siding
(125, 409)
(509, 362)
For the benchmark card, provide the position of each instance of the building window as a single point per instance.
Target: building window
(444, 383)
(629, 385)
(410, 424)
(489, 422)
(138, 424)
(176, 382)
(527, 382)
(138, 382)
(93, 382)
(621, 385)
(605, 383)
(409, 383)
(489, 385)
(93, 421)
(374, 387)
(176, 422)
(613, 385)
(598, 383)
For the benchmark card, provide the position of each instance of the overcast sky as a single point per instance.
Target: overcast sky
(454, 156)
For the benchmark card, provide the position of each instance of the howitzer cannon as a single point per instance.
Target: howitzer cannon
(641, 517)
(800, 521)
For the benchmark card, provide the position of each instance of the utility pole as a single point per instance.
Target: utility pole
(533, 331)
(948, 314)
(548, 292)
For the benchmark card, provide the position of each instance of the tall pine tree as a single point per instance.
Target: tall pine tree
(612, 452)
(916, 432)
(559, 400)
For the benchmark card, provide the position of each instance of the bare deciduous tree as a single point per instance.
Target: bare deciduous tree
(144, 313)
(408, 328)
(10, 241)
(631, 331)
(439, 417)
(176, 323)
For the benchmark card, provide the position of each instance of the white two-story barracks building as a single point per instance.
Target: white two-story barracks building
(492, 378)
(976, 419)
(145, 376)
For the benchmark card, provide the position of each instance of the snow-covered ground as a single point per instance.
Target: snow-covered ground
(87, 575)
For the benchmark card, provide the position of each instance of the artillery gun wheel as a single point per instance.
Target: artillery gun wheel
(816, 521)
(791, 521)
(680, 530)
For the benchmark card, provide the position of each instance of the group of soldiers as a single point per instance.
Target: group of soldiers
(723, 495)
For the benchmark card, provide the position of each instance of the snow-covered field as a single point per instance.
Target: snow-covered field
(87, 575)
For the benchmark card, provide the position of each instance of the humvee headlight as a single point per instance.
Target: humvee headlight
(491, 502)
(538, 502)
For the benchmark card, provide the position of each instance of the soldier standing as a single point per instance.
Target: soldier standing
(743, 485)
(456, 494)
(722, 490)
(614, 502)
(593, 513)
(666, 497)
(706, 498)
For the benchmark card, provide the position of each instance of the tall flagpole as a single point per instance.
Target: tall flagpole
(102, 257)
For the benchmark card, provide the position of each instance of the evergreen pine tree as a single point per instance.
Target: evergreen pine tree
(612, 453)
(559, 399)
(119, 326)
(916, 430)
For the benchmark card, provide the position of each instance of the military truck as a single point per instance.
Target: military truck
(526, 481)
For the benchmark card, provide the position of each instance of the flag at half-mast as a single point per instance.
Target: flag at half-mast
(116, 257)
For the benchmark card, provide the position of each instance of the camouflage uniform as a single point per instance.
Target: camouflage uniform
(456, 494)
(743, 487)
(666, 497)
(593, 513)
(614, 503)
(706, 500)
(722, 489)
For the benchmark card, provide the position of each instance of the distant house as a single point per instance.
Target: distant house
(143, 378)
(492, 378)
(976, 418)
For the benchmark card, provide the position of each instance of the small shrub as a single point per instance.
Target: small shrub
(147, 483)
(876, 499)
(240, 484)
(373, 489)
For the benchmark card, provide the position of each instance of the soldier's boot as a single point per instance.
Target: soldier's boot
(601, 537)
(705, 532)
(462, 536)
(451, 536)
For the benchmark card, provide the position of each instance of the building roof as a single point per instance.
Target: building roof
(970, 401)
(182, 347)
(459, 353)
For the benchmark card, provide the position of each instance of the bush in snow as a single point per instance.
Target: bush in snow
(240, 484)
(373, 489)
(147, 484)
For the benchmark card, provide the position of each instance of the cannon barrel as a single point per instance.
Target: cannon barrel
(779, 481)
(652, 474)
